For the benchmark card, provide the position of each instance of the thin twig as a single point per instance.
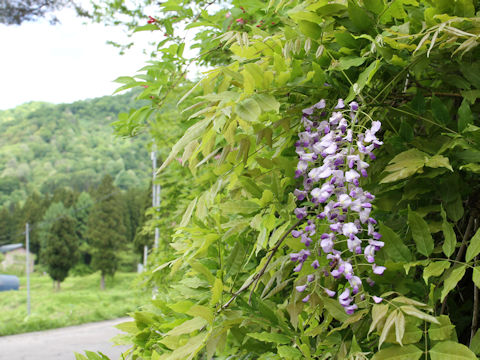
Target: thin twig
(475, 306)
(466, 235)
(272, 253)
(258, 275)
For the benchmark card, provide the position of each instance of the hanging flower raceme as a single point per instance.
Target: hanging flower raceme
(332, 150)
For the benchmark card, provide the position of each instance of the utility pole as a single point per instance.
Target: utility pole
(145, 257)
(27, 264)
(155, 203)
(155, 192)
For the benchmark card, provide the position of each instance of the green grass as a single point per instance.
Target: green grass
(79, 301)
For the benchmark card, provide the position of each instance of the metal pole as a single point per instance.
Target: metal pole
(155, 204)
(157, 207)
(145, 257)
(155, 192)
(27, 267)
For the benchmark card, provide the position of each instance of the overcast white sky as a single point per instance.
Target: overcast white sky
(62, 63)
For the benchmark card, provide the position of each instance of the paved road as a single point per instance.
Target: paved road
(60, 344)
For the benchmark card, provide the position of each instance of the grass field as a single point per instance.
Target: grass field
(79, 301)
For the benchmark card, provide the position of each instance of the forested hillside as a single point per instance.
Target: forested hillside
(45, 146)
(72, 173)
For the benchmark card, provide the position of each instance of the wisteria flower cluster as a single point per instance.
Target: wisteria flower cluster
(332, 151)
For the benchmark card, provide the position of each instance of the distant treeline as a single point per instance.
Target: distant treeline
(80, 222)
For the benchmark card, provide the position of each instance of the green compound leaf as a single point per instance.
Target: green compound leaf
(194, 132)
(443, 331)
(217, 290)
(474, 247)
(404, 165)
(347, 62)
(239, 207)
(335, 309)
(270, 337)
(475, 168)
(189, 350)
(363, 79)
(452, 280)
(465, 115)
(188, 327)
(394, 246)
(408, 352)
(438, 161)
(450, 239)
(413, 311)
(421, 233)
(378, 313)
(412, 334)
(475, 343)
(248, 110)
(267, 102)
(440, 111)
(289, 353)
(450, 350)
(476, 276)
(435, 269)
(399, 327)
(386, 328)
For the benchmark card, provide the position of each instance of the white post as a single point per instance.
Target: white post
(27, 267)
(145, 257)
(155, 192)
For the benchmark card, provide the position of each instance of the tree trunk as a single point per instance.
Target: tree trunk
(57, 283)
(102, 282)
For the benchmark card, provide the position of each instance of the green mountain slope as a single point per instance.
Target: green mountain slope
(44, 146)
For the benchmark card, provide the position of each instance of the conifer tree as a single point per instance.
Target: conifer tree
(55, 211)
(61, 249)
(82, 209)
(106, 230)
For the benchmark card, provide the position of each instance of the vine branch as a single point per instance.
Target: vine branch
(474, 326)
(255, 279)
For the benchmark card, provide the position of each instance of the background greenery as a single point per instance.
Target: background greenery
(45, 146)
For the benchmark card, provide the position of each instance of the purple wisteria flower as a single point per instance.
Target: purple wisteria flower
(333, 150)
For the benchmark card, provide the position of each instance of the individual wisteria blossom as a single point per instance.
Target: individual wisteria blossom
(333, 150)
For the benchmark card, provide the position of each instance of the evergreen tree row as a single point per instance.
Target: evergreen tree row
(80, 232)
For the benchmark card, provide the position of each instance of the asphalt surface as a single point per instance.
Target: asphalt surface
(61, 344)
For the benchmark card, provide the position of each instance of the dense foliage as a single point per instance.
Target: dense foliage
(233, 292)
